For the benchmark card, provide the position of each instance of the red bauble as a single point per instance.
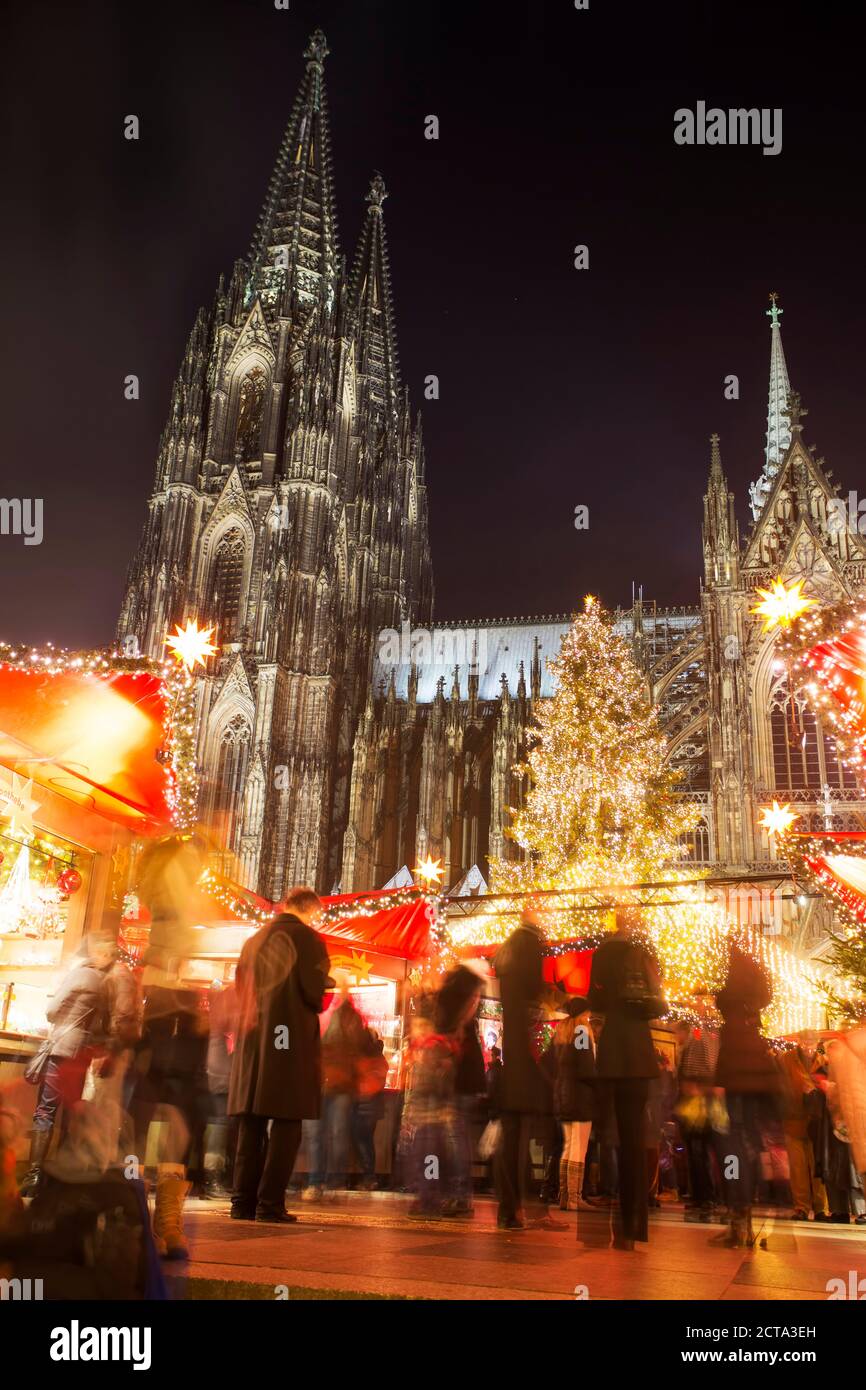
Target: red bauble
(69, 881)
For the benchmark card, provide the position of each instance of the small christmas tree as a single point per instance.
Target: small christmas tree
(846, 955)
(601, 807)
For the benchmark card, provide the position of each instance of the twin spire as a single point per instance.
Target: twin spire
(294, 257)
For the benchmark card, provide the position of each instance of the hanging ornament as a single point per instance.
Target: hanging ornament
(15, 898)
(69, 881)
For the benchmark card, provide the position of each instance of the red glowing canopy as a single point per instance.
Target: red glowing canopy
(834, 861)
(839, 665)
(92, 736)
(402, 931)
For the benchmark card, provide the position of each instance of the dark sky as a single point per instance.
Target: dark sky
(558, 387)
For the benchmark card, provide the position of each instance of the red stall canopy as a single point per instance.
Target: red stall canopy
(91, 736)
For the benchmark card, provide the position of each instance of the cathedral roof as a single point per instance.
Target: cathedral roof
(503, 647)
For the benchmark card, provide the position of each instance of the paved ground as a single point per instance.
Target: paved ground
(367, 1244)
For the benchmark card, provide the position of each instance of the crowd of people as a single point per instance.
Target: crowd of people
(720, 1122)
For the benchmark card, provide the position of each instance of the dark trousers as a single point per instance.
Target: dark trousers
(743, 1145)
(512, 1162)
(264, 1162)
(629, 1101)
(699, 1141)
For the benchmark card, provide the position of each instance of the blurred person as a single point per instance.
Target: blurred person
(223, 1130)
(369, 1106)
(748, 1073)
(429, 1112)
(572, 1054)
(456, 1015)
(79, 1014)
(276, 1075)
(798, 1086)
(342, 1045)
(518, 965)
(696, 1070)
(837, 1072)
(659, 1108)
(848, 1071)
(493, 1083)
(171, 1060)
(625, 987)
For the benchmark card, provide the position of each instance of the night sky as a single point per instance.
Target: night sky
(558, 387)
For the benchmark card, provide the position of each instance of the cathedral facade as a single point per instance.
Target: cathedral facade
(289, 511)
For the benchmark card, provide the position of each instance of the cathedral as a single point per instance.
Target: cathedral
(289, 511)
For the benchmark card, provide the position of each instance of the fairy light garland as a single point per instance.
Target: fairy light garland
(178, 752)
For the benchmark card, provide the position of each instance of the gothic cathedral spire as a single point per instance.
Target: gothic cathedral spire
(778, 423)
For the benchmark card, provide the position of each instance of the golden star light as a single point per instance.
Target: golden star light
(191, 645)
(430, 870)
(781, 606)
(776, 819)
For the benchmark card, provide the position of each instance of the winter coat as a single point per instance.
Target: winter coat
(574, 1080)
(518, 965)
(79, 1011)
(469, 1079)
(745, 1064)
(281, 982)
(125, 1005)
(625, 1048)
(345, 1037)
(848, 1069)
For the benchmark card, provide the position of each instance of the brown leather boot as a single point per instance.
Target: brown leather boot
(38, 1149)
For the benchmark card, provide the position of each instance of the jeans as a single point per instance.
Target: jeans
(329, 1144)
(62, 1084)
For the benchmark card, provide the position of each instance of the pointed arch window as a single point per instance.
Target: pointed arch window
(251, 407)
(227, 577)
(805, 756)
(231, 772)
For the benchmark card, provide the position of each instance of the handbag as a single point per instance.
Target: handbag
(35, 1068)
(489, 1141)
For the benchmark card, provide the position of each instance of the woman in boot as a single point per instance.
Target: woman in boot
(79, 1018)
(751, 1080)
(573, 1058)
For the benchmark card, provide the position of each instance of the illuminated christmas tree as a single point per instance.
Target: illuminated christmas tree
(601, 807)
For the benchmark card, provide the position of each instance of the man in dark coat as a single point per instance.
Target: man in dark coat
(525, 1090)
(282, 977)
(624, 986)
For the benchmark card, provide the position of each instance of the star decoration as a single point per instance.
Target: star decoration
(430, 870)
(20, 805)
(777, 820)
(781, 606)
(191, 645)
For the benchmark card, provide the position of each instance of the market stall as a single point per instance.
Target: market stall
(94, 759)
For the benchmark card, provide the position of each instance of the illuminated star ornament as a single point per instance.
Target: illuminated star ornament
(776, 819)
(191, 644)
(781, 606)
(19, 805)
(430, 870)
